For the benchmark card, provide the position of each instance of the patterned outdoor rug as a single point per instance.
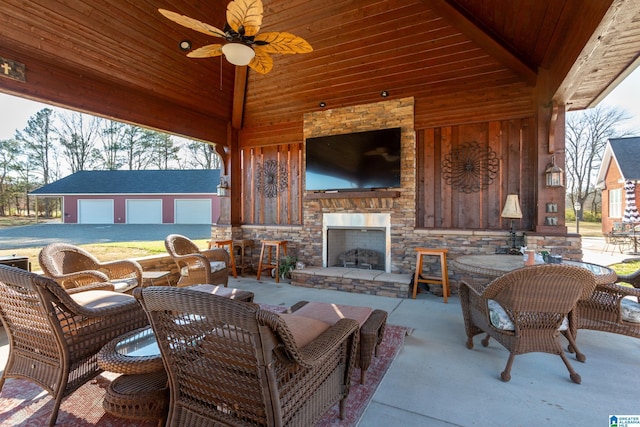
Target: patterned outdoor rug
(24, 404)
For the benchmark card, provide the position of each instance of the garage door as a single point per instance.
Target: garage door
(193, 211)
(144, 211)
(91, 211)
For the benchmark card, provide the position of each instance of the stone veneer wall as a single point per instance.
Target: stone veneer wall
(305, 241)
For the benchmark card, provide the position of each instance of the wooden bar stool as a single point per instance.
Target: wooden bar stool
(271, 263)
(443, 279)
(232, 260)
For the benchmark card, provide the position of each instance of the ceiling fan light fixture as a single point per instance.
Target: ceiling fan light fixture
(238, 53)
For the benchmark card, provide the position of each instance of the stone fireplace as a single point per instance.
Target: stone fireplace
(368, 233)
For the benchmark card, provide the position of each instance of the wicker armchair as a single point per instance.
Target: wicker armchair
(232, 363)
(612, 308)
(198, 266)
(527, 309)
(55, 334)
(73, 267)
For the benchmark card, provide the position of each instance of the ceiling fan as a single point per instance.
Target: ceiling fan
(244, 45)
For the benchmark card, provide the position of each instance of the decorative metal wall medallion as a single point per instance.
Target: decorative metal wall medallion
(271, 178)
(470, 167)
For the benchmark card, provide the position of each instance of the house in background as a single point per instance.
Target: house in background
(137, 197)
(620, 165)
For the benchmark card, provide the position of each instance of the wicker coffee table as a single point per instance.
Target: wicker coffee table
(141, 392)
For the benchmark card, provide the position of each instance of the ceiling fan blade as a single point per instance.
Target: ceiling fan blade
(206, 51)
(283, 43)
(191, 23)
(262, 62)
(245, 15)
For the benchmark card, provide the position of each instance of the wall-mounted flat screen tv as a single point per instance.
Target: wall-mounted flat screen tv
(354, 161)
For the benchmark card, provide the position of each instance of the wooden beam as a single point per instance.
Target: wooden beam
(67, 88)
(614, 24)
(483, 39)
(239, 90)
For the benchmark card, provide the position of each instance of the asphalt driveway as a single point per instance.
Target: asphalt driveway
(42, 234)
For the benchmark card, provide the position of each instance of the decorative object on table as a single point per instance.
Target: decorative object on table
(470, 167)
(196, 266)
(244, 45)
(554, 175)
(512, 210)
(537, 302)
(73, 267)
(54, 334)
(292, 370)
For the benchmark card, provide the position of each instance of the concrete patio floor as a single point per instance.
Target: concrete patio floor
(436, 381)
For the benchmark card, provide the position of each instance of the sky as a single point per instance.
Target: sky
(15, 112)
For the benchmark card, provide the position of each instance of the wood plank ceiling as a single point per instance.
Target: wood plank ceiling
(120, 59)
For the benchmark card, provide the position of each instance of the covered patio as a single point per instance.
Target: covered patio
(467, 82)
(457, 76)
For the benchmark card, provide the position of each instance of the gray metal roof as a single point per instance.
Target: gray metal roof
(135, 182)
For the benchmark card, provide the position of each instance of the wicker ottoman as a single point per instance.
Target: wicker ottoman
(138, 397)
(372, 324)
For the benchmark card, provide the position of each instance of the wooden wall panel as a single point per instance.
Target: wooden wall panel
(441, 205)
(261, 203)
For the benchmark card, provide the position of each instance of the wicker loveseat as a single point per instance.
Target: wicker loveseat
(196, 266)
(527, 309)
(232, 363)
(55, 334)
(73, 267)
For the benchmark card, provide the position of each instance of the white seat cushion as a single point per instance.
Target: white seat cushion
(215, 266)
(630, 310)
(500, 319)
(124, 285)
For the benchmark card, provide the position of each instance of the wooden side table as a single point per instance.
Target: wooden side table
(155, 278)
(243, 254)
(272, 262)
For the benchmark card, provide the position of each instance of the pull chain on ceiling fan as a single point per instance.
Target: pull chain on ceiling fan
(244, 45)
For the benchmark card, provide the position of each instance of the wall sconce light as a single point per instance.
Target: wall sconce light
(554, 176)
(512, 210)
(223, 187)
(185, 45)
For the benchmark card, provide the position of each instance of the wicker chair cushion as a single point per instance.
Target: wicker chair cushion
(100, 299)
(630, 310)
(500, 319)
(331, 313)
(124, 285)
(232, 293)
(304, 329)
(215, 266)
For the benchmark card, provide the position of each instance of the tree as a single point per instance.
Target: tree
(37, 140)
(9, 152)
(112, 136)
(165, 152)
(587, 133)
(136, 144)
(78, 134)
(202, 156)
